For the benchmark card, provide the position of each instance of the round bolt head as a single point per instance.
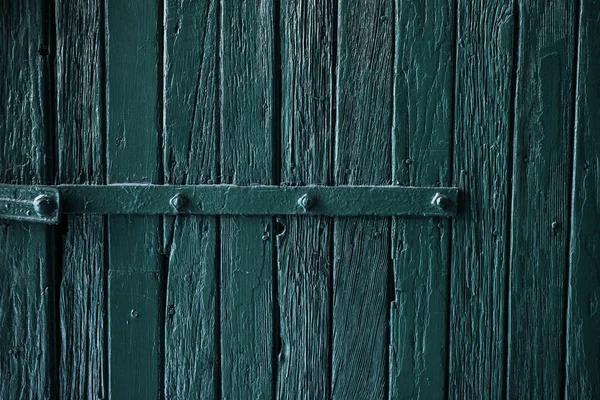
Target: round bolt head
(441, 201)
(44, 205)
(306, 202)
(177, 202)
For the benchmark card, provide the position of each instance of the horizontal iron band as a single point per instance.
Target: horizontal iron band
(146, 199)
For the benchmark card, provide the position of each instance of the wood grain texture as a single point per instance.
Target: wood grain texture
(365, 56)
(583, 319)
(423, 83)
(190, 134)
(304, 246)
(247, 330)
(541, 194)
(307, 53)
(482, 131)
(81, 161)
(133, 151)
(83, 310)
(27, 360)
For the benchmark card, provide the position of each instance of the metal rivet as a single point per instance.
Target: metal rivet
(178, 201)
(44, 205)
(134, 313)
(306, 202)
(440, 201)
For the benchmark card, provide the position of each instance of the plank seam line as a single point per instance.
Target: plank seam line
(578, 15)
(510, 206)
(451, 180)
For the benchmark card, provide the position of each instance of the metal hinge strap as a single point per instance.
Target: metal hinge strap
(45, 204)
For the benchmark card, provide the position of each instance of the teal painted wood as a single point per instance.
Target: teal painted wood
(27, 349)
(482, 151)
(190, 157)
(423, 83)
(80, 160)
(365, 57)
(246, 285)
(583, 319)
(304, 245)
(133, 149)
(307, 59)
(541, 206)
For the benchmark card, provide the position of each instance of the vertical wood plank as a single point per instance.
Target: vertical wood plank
(542, 181)
(421, 156)
(304, 246)
(362, 156)
(190, 132)
(81, 161)
(132, 146)
(583, 319)
(246, 158)
(482, 150)
(27, 364)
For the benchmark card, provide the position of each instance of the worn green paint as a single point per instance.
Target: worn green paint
(80, 158)
(246, 285)
(541, 199)
(499, 301)
(190, 157)
(361, 246)
(583, 320)
(304, 271)
(482, 153)
(134, 267)
(27, 287)
(421, 137)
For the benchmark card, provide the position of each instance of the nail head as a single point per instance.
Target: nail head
(178, 201)
(441, 201)
(44, 205)
(306, 202)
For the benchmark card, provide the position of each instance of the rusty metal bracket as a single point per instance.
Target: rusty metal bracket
(45, 204)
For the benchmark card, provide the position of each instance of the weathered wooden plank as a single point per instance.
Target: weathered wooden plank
(27, 360)
(482, 132)
(81, 161)
(190, 157)
(304, 307)
(362, 245)
(78, 92)
(83, 310)
(583, 319)
(307, 55)
(304, 245)
(423, 83)
(190, 342)
(133, 302)
(540, 217)
(247, 323)
(132, 147)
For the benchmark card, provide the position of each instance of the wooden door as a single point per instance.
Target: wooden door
(497, 98)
